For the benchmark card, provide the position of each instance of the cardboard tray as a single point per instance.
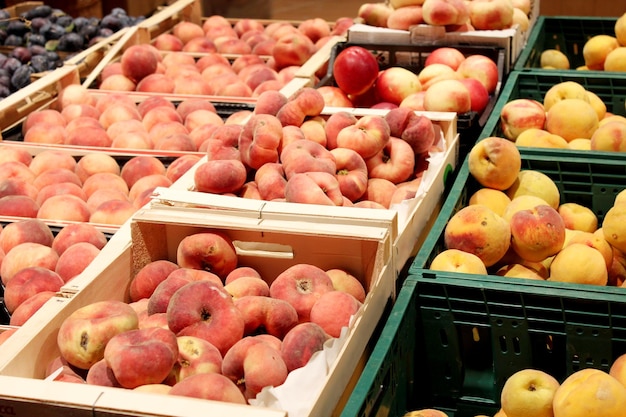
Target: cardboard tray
(414, 216)
(565, 33)
(269, 245)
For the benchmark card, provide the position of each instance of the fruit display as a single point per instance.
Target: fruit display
(218, 314)
(454, 15)
(38, 259)
(41, 38)
(537, 113)
(463, 80)
(517, 224)
(591, 44)
(96, 187)
(218, 57)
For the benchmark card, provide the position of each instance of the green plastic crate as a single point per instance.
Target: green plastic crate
(534, 85)
(565, 33)
(452, 339)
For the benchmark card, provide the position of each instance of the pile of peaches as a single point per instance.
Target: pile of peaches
(287, 150)
(450, 81)
(36, 262)
(600, 52)
(570, 117)
(220, 58)
(515, 225)
(211, 327)
(454, 15)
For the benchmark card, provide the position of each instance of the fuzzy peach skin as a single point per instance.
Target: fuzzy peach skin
(83, 335)
(211, 251)
(301, 342)
(266, 314)
(195, 356)
(149, 277)
(455, 260)
(537, 233)
(528, 392)
(126, 355)
(209, 386)
(478, 230)
(204, 309)
(160, 298)
(333, 310)
(495, 162)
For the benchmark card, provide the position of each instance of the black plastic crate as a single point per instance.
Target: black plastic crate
(568, 34)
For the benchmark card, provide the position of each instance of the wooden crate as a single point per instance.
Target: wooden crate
(268, 245)
(413, 216)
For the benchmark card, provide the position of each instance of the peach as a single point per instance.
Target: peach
(405, 17)
(151, 102)
(75, 259)
(259, 140)
(301, 285)
(478, 230)
(16, 170)
(563, 90)
(84, 333)
(455, 260)
(271, 315)
(125, 126)
(346, 282)
(306, 156)
(594, 240)
(596, 49)
(269, 102)
(19, 206)
(95, 162)
(445, 12)
(28, 307)
(519, 115)
(300, 343)
(125, 354)
(379, 191)
(536, 183)
(113, 212)
(395, 83)
(199, 308)
(56, 176)
(416, 130)
(51, 159)
(436, 72)
(247, 286)
(220, 176)
(139, 166)
(147, 185)
(597, 103)
(254, 364)
(27, 230)
(518, 271)
(101, 374)
(149, 277)
(210, 251)
(196, 356)
(314, 188)
(616, 369)
(589, 389)
(554, 58)
(522, 202)
(449, 56)
(559, 119)
(395, 162)
(448, 96)
(333, 310)
(537, 233)
(491, 14)
(24, 255)
(610, 137)
(160, 297)
(528, 392)
(351, 172)
(88, 136)
(64, 207)
(180, 166)
(160, 114)
(27, 282)
(496, 200)
(153, 320)
(138, 61)
(495, 162)
(543, 139)
(78, 232)
(482, 68)
(613, 227)
(209, 386)
(43, 116)
(168, 42)
(367, 136)
(156, 83)
(306, 102)
(46, 133)
(154, 388)
(16, 186)
(117, 82)
(292, 49)
(242, 272)
(578, 217)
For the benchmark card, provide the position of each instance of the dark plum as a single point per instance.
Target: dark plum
(39, 63)
(71, 42)
(33, 39)
(13, 40)
(11, 64)
(88, 31)
(52, 31)
(111, 22)
(5, 91)
(3, 35)
(39, 11)
(65, 20)
(22, 53)
(105, 32)
(17, 27)
(37, 23)
(21, 77)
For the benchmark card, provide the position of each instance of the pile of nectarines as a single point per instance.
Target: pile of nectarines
(220, 58)
(449, 81)
(570, 117)
(205, 326)
(288, 151)
(35, 262)
(515, 225)
(601, 52)
(454, 15)
(96, 187)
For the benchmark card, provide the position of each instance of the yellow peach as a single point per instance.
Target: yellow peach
(598, 105)
(535, 183)
(454, 260)
(579, 217)
(518, 271)
(590, 392)
(579, 264)
(579, 144)
(553, 58)
(548, 140)
(620, 30)
(521, 202)
(610, 137)
(496, 200)
(572, 118)
(596, 49)
(563, 90)
(614, 226)
(596, 241)
(618, 369)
